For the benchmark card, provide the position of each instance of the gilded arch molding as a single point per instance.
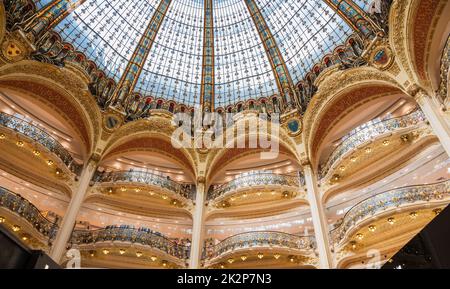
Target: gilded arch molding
(61, 90)
(152, 134)
(227, 155)
(2, 21)
(414, 26)
(343, 88)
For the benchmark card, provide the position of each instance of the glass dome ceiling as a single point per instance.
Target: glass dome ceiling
(108, 31)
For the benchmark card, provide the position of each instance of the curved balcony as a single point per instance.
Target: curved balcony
(146, 179)
(366, 133)
(125, 235)
(255, 179)
(35, 134)
(392, 199)
(259, 240)
(26, 210)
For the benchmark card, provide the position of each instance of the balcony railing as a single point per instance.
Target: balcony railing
(146, 178)
(255, 179)
(143, 236)
(259, 239)
(370, 131)
(29, 212)
(389, 200)
(41, 137)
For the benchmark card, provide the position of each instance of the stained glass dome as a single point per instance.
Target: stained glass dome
(108, 32)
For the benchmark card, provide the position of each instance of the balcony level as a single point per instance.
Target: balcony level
(26, 221)
(371, 150)
(396, 215)
(141, 191)
(258, 189)
(37, 142)
(259, 249)
(119, 247)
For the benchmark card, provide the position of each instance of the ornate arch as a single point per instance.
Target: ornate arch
(223, 156)
(61, 90)
(415, 26)
(2, 21)
(152, 134)
(340, 92)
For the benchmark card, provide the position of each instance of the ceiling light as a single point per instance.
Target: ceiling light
(391, 221)
(437, 211)
(16, 228)
(277, 256)
(122, 251)
(139, 254)
(413, 215)
(359, 236)
(260, 256)
(105, 251)
(123, 189)
(19, 143)
(386, 142)
(2, 219)
(372, 228)
(36, 153)
(50, 162)
(2, 136)
(231, 260)
(153, 258)
(243, 257)
(353, 159)
(368, 150)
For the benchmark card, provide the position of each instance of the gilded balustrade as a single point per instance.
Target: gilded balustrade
(146, 178)
(38, 135)
(389, 200)
(17, 204)
(255, 179)
(260, 239)
(368, 132)
(143, 236)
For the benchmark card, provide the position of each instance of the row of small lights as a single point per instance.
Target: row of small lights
(36, 152)
(14, 228)
(259, 194)
(260, 256)
(138, 190)
(353, 159)
(138, 254)
(391, 221)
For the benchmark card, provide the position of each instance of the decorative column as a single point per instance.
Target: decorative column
(440, 123)
(319, 218)
(279, 68)
(207, 88)
(136, 64)
(355, 17)
(50, 16)
(68, 222)
(198, 226)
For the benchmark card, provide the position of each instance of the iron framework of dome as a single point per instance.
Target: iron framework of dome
(223, 55)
